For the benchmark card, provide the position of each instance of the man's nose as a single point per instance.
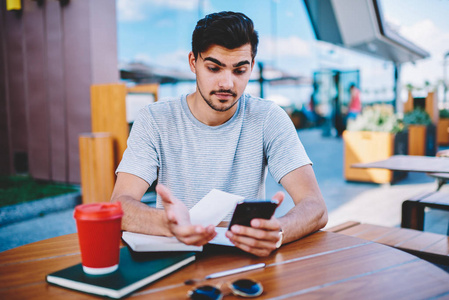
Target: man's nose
(225, 81)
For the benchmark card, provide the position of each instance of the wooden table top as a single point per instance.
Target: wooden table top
(409, 163)
(322, 265)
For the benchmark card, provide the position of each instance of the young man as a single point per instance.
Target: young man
(217, 137)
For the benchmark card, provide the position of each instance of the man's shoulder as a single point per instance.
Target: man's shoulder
(167, 106)
(161, 111)
(259, 105)
(166, 103)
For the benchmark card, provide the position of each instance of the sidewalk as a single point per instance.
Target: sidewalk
(363, 202)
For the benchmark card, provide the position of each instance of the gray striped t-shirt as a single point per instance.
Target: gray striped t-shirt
(193, 158)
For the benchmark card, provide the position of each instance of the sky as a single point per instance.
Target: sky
(426, 24)
(158, 32)
(170, 23)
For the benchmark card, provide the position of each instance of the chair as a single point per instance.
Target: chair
(413, 210)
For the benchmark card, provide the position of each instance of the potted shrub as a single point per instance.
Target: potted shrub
(421, 132)
(443, 128)
(375, 134)
(297, 118)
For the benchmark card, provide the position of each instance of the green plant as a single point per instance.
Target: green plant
(378, 117)
(417, 116)
(444, 113)
(409, 87)
(17, 189)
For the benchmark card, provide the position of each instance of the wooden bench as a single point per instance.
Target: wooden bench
(426, 245)
(413, 209)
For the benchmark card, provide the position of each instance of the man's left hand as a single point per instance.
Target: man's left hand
(260, 239)
(178, 220)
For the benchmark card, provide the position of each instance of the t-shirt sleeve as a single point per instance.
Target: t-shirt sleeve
(141, 157)
(284, 150)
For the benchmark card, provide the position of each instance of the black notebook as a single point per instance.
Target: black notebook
(135, 271)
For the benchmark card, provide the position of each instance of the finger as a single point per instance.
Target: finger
(171, 216)
(211, 229)
(252, 242)
(194, 235)
(165, 194)
(199, 240)
(240, 232)
(262, 252)
(272, 224)
(279, 197)
(253, 246)
(188, 230)
(175, 209)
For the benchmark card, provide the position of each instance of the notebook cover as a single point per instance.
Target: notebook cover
(135, 271)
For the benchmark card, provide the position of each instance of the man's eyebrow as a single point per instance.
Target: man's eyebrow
(243, 62)
(217, 62)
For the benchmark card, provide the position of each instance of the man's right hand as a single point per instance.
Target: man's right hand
(443, 153)
(178, 220)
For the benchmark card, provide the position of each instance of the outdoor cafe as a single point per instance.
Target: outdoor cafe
(78, 124)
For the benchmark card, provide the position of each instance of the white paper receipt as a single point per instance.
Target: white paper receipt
(220, 238)
(213, 208)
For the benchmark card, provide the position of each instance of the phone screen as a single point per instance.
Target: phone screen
(250, 209)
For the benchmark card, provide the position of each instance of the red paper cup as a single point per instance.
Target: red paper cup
(99, 231)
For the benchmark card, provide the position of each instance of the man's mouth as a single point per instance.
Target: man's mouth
(224, 94)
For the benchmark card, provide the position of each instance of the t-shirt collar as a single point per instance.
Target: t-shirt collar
(195, 121)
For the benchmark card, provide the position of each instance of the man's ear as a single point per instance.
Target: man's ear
(192, 62)
(252, 64)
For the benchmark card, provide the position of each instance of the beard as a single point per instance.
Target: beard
(215, 107)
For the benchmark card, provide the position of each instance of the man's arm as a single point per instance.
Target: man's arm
(138, 217)
(308, 215)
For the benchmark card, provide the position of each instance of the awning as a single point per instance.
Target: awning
(359, 25)
(144, 73)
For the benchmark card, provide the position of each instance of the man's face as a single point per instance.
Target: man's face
(222, 75)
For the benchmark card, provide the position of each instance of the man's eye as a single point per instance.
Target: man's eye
(214, 69)
(239, 71)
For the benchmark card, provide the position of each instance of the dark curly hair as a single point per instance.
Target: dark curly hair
(227, 29)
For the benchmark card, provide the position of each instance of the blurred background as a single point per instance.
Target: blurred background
(72, 69)
(310, 53)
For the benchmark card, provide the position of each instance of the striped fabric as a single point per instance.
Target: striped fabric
(194, 158)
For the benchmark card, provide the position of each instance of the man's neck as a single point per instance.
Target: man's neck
(205, 114)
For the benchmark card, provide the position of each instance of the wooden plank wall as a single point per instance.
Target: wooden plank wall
(50, 55)
(36, 96)
(5, 160)
(17, 135)
(78, 61)
(55, 86)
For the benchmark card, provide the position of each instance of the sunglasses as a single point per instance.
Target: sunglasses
(242, 287)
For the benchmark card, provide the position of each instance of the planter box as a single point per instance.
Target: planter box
(431, 140)
(422, 140)
(417, 140)
(366, 146)
(443, 132)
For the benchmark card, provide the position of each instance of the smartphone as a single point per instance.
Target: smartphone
(247, 210)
